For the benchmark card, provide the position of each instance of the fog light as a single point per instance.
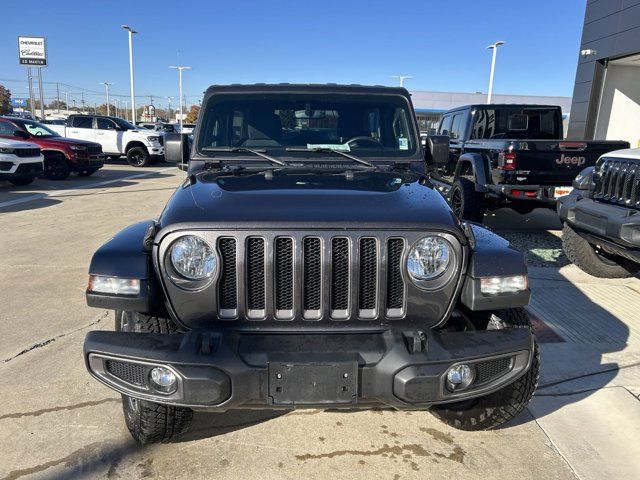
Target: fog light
(114, 285)
(163, 379)
(498, 285)
(459, 377)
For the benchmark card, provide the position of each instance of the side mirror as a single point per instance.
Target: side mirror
(437, 151)
(176, 148)
(21, 134)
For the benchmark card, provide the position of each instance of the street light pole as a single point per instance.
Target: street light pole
(493, 47)
(106, 86)
(133, 98)
(402, 78)
(66, 100)
(180, 68)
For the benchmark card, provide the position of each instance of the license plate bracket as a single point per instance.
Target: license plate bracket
(313, 383)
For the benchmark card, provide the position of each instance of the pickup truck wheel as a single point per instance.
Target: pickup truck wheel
(150, 422)
(22, 181)
(56, 167)
(138, 157)
(466, 203)
(591, 260)
(492, 410)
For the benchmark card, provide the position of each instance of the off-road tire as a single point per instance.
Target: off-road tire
(493, 410)
(150, 422)
(584, 255)
(56, 167)
(138, 157)
(18, 182)
(466, 203)
(87, 173)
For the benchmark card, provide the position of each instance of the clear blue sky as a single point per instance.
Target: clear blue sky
(441, 43)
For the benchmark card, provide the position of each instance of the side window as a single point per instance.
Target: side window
(106, 124)
(445, 125)
(7, 128)
(484, 124)
(456, 127)
(82, 122)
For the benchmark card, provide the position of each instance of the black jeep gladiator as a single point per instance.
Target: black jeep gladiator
(306, 261)
(509, 156)
(601, 232)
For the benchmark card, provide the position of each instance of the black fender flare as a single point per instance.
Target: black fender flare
(481, 170)
(486, 248)
(128, 255)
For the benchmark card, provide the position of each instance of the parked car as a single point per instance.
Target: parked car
(116, 136)
(601, 232)
(308, 262)
(510, 156)
(20, 162)
(61, 155)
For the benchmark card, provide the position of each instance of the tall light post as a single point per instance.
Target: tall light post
(180, 68)
(66, 100)
(493, 47)
(402, 78)
(106, 87)
(133, 98)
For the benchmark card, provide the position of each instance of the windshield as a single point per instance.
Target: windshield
(39, 130)
(366, 125)
(124, 124)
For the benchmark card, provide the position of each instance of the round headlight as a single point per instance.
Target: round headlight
(193, 258)
(429, 258)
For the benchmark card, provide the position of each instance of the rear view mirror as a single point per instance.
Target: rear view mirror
(437, 150)
(21, 134)
(176, 148)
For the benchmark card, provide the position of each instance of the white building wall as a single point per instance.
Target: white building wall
(619, 116)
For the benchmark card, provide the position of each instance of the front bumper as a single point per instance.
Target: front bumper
(90, 162)
(219, 370)
(617, 227)
(20, 169)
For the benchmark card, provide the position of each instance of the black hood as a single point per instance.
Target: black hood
(364, 200)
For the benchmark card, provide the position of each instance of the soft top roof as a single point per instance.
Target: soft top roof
(306, 88)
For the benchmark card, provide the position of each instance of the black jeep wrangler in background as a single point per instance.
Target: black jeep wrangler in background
(510, 156)
(601, 232)
(307, 262)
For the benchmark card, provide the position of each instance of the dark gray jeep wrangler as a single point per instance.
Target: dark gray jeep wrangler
(306, 261)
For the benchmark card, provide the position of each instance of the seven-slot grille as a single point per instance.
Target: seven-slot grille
(94, 149)
(27, 152)
(618, 182)
(333, 277)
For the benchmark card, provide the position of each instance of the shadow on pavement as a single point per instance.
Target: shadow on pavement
(207, 425)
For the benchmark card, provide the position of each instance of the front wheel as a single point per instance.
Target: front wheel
(56, 167)
(138, 157)
(592, 259)
(150, 422)
(492, 410)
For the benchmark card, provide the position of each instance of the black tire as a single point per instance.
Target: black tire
(150, 422)
(466, 203)
(87, 173)
(56, 167)
(587, 257)
(138, 157)
(22, 181)
(492, 410)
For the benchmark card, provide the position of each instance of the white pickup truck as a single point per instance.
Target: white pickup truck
(117, 137)
(20, 162)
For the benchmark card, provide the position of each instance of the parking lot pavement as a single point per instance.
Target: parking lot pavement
(57, 422)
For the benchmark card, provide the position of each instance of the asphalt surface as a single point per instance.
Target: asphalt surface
(57, 422)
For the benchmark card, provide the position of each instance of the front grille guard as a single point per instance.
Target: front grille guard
(336, 276)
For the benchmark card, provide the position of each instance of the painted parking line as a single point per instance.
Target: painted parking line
(61, 193)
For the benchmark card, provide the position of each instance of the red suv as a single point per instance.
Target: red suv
(61, 155)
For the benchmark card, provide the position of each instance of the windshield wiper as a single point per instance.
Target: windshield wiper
(327, 150)
(259, 153)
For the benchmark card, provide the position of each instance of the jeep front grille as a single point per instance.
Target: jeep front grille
(617, 181)
(315, 277)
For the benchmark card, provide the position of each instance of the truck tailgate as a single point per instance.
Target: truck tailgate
(553, 162)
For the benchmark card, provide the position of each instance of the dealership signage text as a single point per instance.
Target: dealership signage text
(32, 51)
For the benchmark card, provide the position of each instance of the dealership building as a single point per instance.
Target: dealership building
(430, 106)
(606, 96)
